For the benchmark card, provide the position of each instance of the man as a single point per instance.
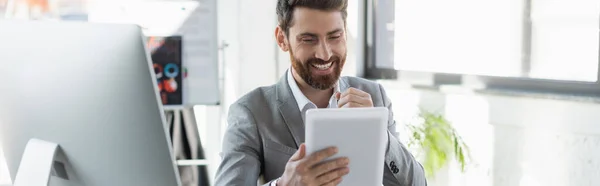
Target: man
(266, 127)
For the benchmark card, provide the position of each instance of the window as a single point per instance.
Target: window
(564, 42)
(456, 37)
(512, 42)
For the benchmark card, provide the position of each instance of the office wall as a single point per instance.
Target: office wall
(515, 140)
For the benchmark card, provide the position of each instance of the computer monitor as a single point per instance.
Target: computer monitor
(90, 89)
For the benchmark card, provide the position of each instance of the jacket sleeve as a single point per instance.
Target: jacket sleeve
(401, 167)
(241, 152)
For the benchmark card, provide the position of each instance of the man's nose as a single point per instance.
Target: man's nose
(324, 52)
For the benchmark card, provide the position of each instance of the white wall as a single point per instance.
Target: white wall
(515, 141)
(257, 59)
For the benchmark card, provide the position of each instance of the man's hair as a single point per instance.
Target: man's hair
(285, 9)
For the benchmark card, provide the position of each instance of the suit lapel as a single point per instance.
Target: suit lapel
(288, 109)
(293, 120)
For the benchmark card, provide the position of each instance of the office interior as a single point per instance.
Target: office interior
(517, 80)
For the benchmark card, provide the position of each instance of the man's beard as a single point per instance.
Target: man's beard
(321, 82)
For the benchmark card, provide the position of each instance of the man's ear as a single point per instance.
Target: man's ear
(281, 39)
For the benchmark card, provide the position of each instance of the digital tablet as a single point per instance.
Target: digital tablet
(359, 133)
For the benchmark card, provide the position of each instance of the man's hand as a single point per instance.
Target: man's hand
(302, 170)
(354, 98)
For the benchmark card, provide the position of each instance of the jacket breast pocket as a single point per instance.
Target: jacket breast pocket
(274, 146)
(275, 158)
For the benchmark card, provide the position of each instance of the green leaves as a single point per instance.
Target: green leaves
(434, 136)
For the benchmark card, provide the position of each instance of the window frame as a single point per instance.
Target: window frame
(521, 84)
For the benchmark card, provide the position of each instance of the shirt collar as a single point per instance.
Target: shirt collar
(301, 99)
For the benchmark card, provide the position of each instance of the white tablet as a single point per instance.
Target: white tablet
(359, 133)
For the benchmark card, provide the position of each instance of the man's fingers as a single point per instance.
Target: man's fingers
(326, 167)
(300, 153)
(332, 176)
(334, 182)
(352, 105)
(355, 91)
(353, 98)
(319, 156)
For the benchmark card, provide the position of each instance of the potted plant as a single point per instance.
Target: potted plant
(436, 141)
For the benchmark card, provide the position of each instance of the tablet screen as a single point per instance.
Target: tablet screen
(359, 133)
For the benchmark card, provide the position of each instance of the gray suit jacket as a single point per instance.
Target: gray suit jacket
(266, 128)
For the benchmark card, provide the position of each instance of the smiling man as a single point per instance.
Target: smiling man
(265, 136)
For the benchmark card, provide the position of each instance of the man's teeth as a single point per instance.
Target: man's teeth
(322, 66)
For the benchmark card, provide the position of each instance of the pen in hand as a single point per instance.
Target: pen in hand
(337, 97)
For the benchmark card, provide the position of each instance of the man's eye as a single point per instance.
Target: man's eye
(308, 40)
(335, 37)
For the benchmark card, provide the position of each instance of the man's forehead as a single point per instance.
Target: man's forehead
(307, 20)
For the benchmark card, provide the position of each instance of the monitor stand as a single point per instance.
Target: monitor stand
(45, 164)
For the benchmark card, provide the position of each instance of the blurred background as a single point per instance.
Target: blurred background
(515, 81)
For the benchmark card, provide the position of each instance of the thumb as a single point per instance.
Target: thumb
(300, 153)
(338, 95)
